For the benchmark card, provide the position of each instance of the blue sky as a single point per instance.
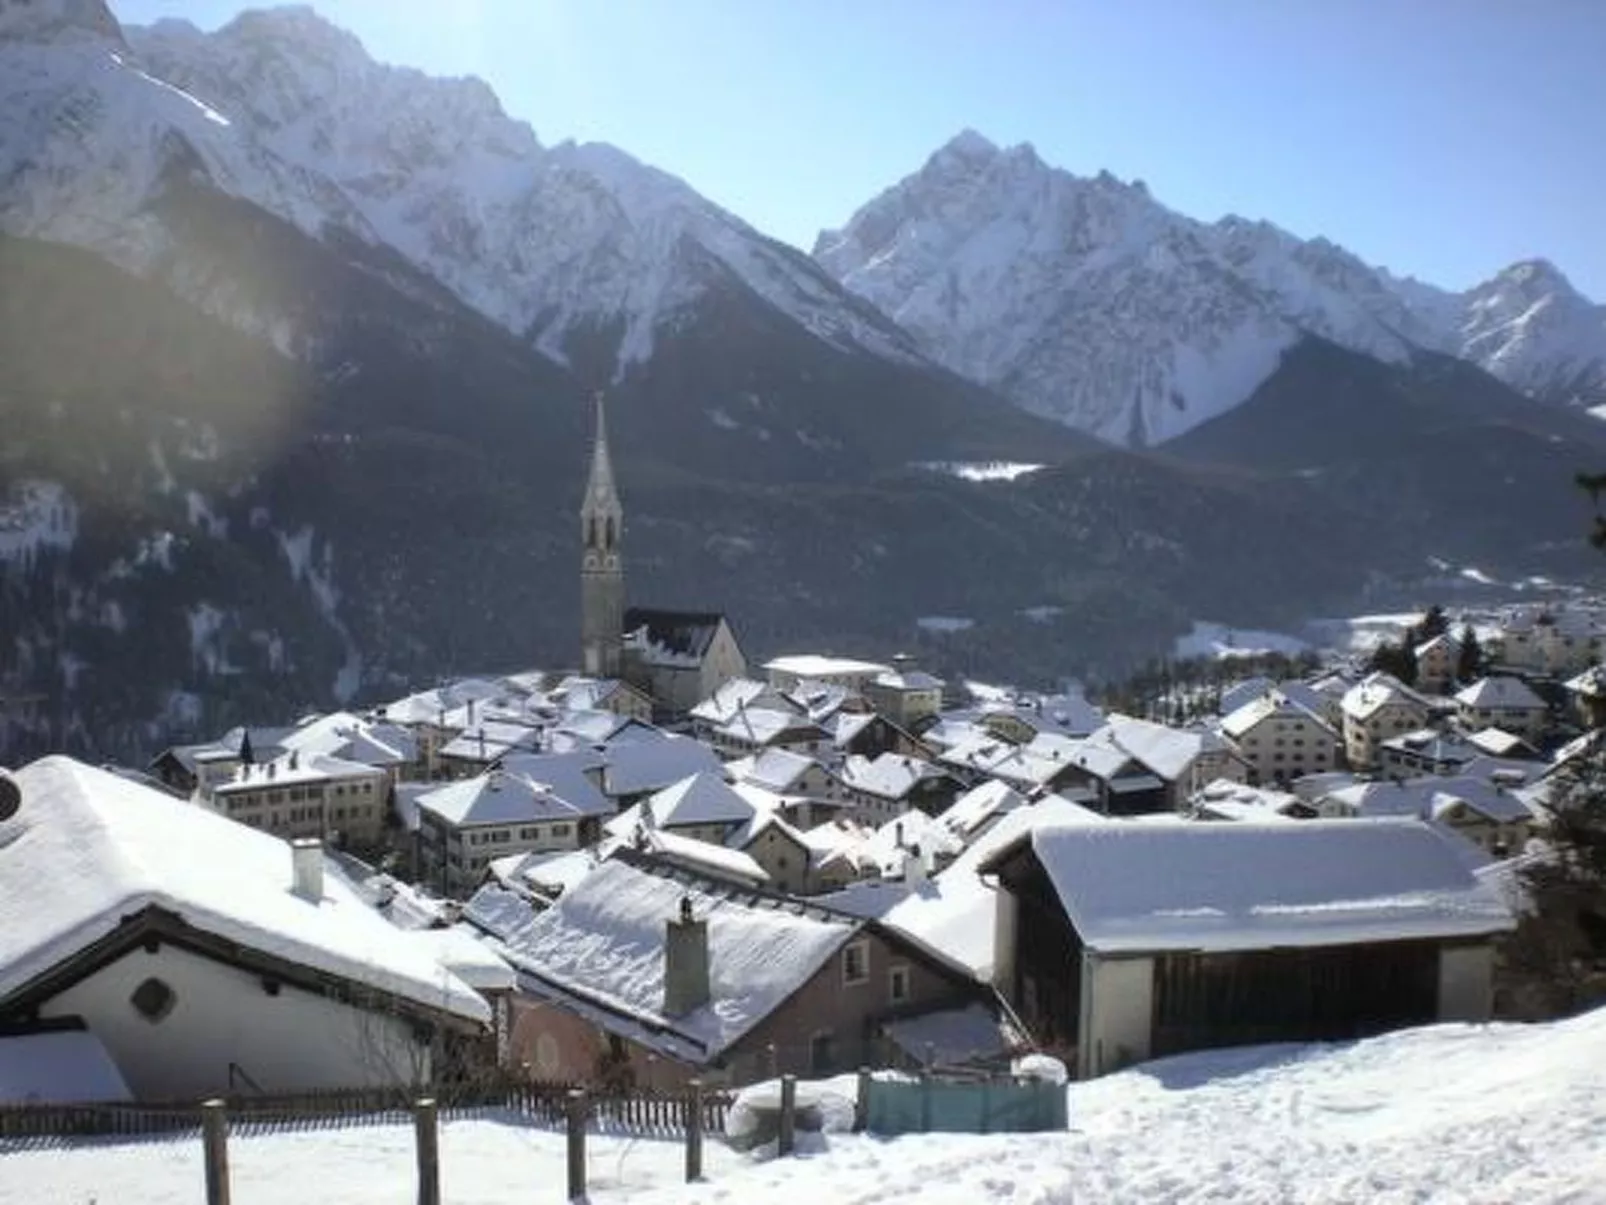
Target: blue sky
(1441, 138)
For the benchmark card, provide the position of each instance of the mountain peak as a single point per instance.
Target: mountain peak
(51, 20)
(295, 23)
(1534, 277)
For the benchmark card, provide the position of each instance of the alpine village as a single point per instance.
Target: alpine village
(663, 888)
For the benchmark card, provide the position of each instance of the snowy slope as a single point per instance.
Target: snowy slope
(282, 109)
(1089, 301)
(1445, 1114)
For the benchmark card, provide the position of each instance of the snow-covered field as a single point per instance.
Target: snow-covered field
(1221, 642)
(1453, 1113)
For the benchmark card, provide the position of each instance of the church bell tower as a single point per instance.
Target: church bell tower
(602, 574)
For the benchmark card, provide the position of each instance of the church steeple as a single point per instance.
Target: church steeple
(602, 576)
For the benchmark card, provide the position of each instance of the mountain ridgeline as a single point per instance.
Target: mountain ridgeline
(295, 349)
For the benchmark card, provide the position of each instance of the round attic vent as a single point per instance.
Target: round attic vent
(10, 797)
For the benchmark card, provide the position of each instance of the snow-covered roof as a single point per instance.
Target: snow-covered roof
(913, 679)
(1433, 745)
(498, 797)
(1377, 691)
(1591, 683)
(1374, 799)
(569, 775)
(1231, 800)
(671, 639)
(1487, 799)
(1241, 694)
(952, 1037)
(1135, 888)
(1511, 694)
(1168, 751)
(953, 911)
(489, 740)
(889, 776)
(352, 738)
(1497, 742)
(88, 849)
(731, 696)
(980, 806)
(777, 769)
(58, 1067)
(1443, 641)
(464, 955)
(813, 665)
(1269, 707)
(600, 952)
(702, 856)
(704, 798)
(293, 769)
(650, 765)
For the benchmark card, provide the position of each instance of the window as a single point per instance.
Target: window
(153, 1000)
(898, 984)
(856, 962)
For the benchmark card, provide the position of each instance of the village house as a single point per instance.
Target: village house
(1485, 811)
(887, 786)
(602, 694)
(867, 734)
(1437, 662)
(786, 772)
(186, 769)
(1375, 709)
(644, 974)
(1588, 693)
(1184, 759)
(209, 958)
(1018, 720)
(1095, 773)
(731, 698)
(904, 694)
(530, 804)
(294, 795)
(1505, 703)
(1225, 799)
(755, 728)
(482, 744)
(787, 673)
(1427, 751)
(1124, 942)
(639, 766)
(702, 806)
(1558, 642)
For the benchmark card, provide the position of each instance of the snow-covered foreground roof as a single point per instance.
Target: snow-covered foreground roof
(1450, 1113)
(88, 848)
(1135, 887)
(602, 945)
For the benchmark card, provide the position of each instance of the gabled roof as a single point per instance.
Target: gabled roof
(762, 725)
(704, 798)
(88, 849)
(1443, 640)
(671, 639)
(1377, 691)
(1241, 694)
(1497, 742)
(1479, 795)
(980, 806)
(731, 696)
(1130, 888)
(889, 776)
(636, 766)
(599, 952)
(1374, 799)
(567, 774)
(498, 797)
(704, 857)
(1591, 683)
(913, 679)
(1500, 693)
(1167, 751)
(1433, 745)
(489, 740)
(777, 769)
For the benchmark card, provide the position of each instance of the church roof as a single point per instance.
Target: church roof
(672, 637)
(601, 494)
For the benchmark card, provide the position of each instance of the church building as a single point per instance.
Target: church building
(677, 658)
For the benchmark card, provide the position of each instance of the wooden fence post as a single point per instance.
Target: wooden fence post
(427, 1135)
(925, 1101)
(694, 1131)
(577, 1144)
(861, 1105)
(788, 1135)
(215, 1141)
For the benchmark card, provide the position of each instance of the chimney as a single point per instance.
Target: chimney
(914, 868)
(685, 963)
(306, 868)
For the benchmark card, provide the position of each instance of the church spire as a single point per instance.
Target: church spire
(602, 578)
(600, 490)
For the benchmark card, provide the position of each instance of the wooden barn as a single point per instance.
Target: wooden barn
(1123, 942)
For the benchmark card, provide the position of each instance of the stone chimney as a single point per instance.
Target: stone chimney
(915, 870)
(685, 963)
(306, 868)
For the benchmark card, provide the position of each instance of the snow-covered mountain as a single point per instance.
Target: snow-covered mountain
(1089, 301)
(282, 109)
